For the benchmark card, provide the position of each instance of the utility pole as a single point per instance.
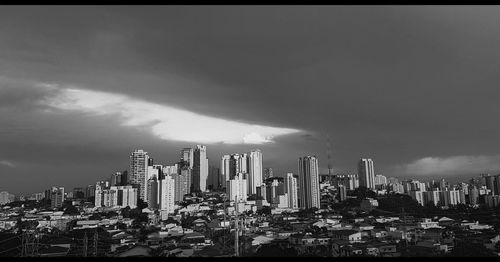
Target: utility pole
(85, 245)
(95, 243)
(29, 242)
(236, 229)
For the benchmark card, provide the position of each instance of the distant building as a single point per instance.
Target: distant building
(200, 168)
(153, 196)
(6, 197)
(139, 160)
(225, 168)
(167, 194)
(380, 180)
(342, 192)
(78, 192)
(182, 183)
(255, 170)
(418, 196)
(473, 195)
(116, 179)
(309, 182)
(187, 157)
(366, 173)
(57, 197)
(214, 179)
(291, 189)
(237, 188)
(115, 196)
(90, 191)
(268, 172)
(275, 187)
(432, 196)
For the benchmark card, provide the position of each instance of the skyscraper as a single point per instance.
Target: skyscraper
(200, 168)
(153, 195)
(187, 156)
(167, 195)
(116, 179)
(309, 182)
(254, 171)
(291, 189)
(182, 181)
(237, 188)
(224, 168)
(366, 173)
(57, 197)
(214, 181)
(138, 168)
(268, 172)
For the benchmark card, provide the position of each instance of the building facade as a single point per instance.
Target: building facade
(139, 160)
(366, 173)
(309, 182)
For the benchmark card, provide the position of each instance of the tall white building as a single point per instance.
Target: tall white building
(380, 180)
(254, 171)
(138, 170)
(291, 189)
(225, 167)
(309, 182)
(115, 196)
(237, 188)
(167, 195)
(200, 168)
(366, 173)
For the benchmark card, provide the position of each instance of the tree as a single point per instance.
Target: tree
(71, 210)
(141, 204)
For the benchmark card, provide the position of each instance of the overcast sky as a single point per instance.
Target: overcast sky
(415, 88)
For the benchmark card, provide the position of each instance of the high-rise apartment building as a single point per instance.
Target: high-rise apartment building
(309, 182)
(153, 196)
(237, 188)
(116, 179)
(182, 182)
(342, 192)
(115, 196)
(200, 168)
(366, 173)
(167, 195)
(268, 172)
(291, 189)
(254, 171)
(138, 170)
(224, 168)
(214, 181)
(187, 156)
(473, 195)
(57, 197)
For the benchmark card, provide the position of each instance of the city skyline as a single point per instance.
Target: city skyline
(411, 87)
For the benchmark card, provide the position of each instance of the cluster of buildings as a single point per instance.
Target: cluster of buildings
(240, 177)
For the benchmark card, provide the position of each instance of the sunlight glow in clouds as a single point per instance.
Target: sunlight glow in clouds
(453, 165)
(7, 163)
(165, 122)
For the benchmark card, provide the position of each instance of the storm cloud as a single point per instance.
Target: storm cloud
(81, 87)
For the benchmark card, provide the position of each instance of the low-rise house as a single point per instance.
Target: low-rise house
(350, 235)
(428, 223)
